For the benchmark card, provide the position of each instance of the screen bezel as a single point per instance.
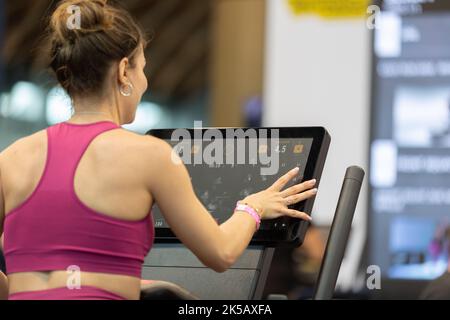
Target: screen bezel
(293, 235)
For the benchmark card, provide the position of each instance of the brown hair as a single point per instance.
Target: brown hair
(81, 57)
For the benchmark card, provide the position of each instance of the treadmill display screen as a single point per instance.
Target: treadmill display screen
(240, 167)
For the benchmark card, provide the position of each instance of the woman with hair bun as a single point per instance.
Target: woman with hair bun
(76, 198)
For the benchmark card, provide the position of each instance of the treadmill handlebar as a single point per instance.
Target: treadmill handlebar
(339, 233)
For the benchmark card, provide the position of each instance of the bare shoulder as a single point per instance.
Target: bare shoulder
(141, 147)
(123, 137)
(25, 146)
(162, 152)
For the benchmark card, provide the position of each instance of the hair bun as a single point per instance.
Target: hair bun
(85, 37)
(93, 17)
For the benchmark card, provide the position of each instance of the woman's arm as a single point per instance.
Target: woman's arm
(3, 286)
(3, 278)
(218, 247)
(2, 206)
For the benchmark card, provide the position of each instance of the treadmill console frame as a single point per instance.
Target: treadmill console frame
(284, 231)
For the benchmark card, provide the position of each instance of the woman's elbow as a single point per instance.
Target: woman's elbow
(224, 262)
(220, 263)
(220, 268)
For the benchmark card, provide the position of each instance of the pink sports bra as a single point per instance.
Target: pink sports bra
(54, 230)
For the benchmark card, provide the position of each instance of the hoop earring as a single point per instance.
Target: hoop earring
(129, 90)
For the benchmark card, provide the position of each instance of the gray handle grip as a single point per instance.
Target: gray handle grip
(340, 231)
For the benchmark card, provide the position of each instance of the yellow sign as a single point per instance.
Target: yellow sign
(330, 8)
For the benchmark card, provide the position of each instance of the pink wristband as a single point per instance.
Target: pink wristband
(249, 210)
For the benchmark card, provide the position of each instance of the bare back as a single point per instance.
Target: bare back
(112, 177)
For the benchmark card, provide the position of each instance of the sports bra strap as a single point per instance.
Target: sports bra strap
(67, 144)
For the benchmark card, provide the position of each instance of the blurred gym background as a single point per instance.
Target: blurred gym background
(375, 74)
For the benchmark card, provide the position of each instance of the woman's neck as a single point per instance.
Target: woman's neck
(92, 110)
(81, 118)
